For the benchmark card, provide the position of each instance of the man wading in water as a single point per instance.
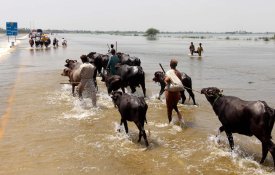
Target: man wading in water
(192, 48)
(199, 50)
(87, 71)
(172, 90)
(112, 62)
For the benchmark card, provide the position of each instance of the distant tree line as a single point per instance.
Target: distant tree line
(148, 32)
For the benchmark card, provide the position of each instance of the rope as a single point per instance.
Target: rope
(192, 89)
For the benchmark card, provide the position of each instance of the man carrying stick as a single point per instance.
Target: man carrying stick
(172, 90)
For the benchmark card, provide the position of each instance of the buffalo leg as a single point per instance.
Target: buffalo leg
(221, 129)
(161, 92)
(230, 139)
(73, 87)
(125, 126)
(264, 151)
(143, 88)
(271, 148)
(133, 89)
(183, 98)
(190, 92)
(123, 90)
(266, 145)
(142, 133)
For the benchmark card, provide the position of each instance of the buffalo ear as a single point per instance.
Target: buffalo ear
(67, 60)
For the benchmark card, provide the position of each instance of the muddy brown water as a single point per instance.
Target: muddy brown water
(45, 130)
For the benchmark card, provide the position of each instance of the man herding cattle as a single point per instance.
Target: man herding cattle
(112, 62)
(87, 72)
(172, 90)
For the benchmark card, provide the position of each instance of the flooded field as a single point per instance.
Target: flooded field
(45, 130)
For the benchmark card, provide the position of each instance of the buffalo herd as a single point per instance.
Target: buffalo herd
(236, 116)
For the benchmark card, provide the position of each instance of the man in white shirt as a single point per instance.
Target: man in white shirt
(87, 71)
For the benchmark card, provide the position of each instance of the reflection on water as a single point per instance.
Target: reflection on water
(51, 131)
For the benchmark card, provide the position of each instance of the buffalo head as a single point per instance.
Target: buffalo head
(158, 77)
(115, 95)
(66, 72)
(69, 63)
(211, 92)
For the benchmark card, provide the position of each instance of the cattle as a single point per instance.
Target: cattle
(244, 117)
(126, 59)
(99, 60)
(72, 71)
(131, 108)
(132, 76)
(186, 81)
(112, 82)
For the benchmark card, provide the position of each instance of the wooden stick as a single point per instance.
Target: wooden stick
(162, 68)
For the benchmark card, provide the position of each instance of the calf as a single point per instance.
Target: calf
(186, 81)
(131, 108)
(244, 117)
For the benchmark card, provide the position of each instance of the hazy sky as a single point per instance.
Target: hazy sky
(165, 15)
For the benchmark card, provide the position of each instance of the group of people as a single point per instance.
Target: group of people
(63, 42)
(87, 74)
(172, 80)
(198, 51)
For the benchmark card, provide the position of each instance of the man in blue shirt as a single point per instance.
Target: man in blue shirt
(112, 62)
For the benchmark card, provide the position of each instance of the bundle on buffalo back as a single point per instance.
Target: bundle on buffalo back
(244, 117)
(186, 81)
(131, 108)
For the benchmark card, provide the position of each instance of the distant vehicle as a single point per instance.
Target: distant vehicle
(39, 38)
(39, 31)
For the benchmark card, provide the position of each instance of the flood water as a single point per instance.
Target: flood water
(45, 130)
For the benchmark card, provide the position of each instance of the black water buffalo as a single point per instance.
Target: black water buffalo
(243, 117)
(126, 59)
(131, 108)
(132, 76)
(186, 81)
(99, 60)
(112, 82)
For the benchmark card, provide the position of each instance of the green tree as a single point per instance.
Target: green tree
(152, 32)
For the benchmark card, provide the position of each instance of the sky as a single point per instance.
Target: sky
(139, 15)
